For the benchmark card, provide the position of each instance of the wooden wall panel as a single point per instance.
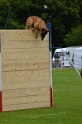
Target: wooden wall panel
(25, 70)
(13, 65)
(22, 55)
(26, 105)
(20, 85)
(25, 91)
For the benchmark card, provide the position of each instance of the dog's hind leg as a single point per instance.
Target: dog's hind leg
(32, 27)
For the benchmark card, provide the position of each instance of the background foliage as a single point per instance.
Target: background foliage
(64, 15)
(74, 37)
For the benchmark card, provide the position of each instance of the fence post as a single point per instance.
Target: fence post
(50, 49)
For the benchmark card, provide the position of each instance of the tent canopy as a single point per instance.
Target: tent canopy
(78, 57)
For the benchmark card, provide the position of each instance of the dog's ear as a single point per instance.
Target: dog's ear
(42, 29)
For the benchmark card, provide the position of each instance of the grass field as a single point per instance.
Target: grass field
(67, 109)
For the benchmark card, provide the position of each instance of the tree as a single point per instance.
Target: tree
(74, 38)
(80, 12)
(20, 12)
(63, 15)
(4, 6)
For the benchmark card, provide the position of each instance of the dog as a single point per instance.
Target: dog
(38, 25)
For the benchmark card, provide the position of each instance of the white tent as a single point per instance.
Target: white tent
(78, 58)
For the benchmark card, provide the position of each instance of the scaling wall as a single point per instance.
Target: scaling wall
(24, 70)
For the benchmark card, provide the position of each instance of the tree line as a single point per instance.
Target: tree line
(65, 17)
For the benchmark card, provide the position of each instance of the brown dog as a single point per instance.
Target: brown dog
(38, 25)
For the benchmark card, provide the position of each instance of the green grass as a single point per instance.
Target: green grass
(67, 109)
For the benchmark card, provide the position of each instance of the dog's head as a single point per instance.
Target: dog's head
(43, 33)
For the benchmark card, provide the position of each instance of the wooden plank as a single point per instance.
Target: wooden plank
(19, 34)
(15, 44)
(26, 99)
(17, 76)
(25, 92)
(25, 38)
(26, 106)
(13, 65)
(25, 55)
(25, 84)
(27, 50)
(16, 33)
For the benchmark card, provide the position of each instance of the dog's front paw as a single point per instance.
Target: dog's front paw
(32, 29)
(36, 37)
